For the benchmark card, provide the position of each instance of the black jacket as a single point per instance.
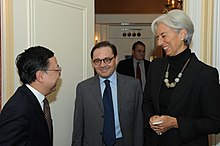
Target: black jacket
(22, 121)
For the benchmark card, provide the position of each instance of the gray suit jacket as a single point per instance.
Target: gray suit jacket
(89, 112)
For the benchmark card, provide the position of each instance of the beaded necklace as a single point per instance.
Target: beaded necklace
(177, 79)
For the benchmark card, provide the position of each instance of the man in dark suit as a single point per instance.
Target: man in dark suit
(129, 66)
(22, 120)
(91, 113)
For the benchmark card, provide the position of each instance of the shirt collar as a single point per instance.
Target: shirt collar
(112, 78)
(40, 97)
(135, 61)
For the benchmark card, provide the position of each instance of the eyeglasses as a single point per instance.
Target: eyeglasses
(59, 69)
(106, 60)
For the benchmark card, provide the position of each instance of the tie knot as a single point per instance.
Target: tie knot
(45, 101)
(107, 82)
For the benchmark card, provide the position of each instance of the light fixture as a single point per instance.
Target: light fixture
(129, 34)
(133, 34)
(124, 33)
(96, 39)
(172, 4)
(139, 34)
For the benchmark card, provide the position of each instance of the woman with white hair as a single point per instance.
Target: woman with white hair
(181, 98)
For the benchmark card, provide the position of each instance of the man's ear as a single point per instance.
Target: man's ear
(40, 75)
(116, 59)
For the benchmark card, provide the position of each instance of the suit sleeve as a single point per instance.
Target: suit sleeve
(13, 127)
(208, 122)
(78, 125)
(138, 134)
(120, 68)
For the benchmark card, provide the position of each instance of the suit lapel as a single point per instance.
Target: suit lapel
(131, 68)
(96, 92)
(120, 90)
(189, 75)
(32, 99)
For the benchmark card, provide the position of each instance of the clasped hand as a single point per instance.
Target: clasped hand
(161, 124)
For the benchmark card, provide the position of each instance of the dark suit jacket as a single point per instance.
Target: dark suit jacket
(22, 121)
(89, 112)
(194, 102)
(126, 67)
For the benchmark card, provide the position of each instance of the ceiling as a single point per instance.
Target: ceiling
(129, 6)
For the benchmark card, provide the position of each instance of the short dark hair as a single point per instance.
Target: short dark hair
(30, 61)
(104, 44)
(137, 43)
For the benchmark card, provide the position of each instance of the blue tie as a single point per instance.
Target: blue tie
(109, 137)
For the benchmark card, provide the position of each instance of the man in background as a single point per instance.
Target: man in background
(25, 119)
(136, 66)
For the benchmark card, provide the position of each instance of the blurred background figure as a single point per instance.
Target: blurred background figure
(136, 66)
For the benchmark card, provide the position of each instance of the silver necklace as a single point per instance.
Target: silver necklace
(177, 79)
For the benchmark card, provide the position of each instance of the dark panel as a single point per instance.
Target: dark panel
(129, 6)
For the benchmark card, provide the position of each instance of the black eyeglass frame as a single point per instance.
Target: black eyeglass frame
(106, 60)
(59, 69)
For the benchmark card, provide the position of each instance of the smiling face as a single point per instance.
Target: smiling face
(171, 41)
(47, 79)
(103, 69)
(53, 73)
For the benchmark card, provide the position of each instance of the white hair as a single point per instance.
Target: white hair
(177, 20)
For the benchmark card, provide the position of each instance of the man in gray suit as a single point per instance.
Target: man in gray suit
(90, 110)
